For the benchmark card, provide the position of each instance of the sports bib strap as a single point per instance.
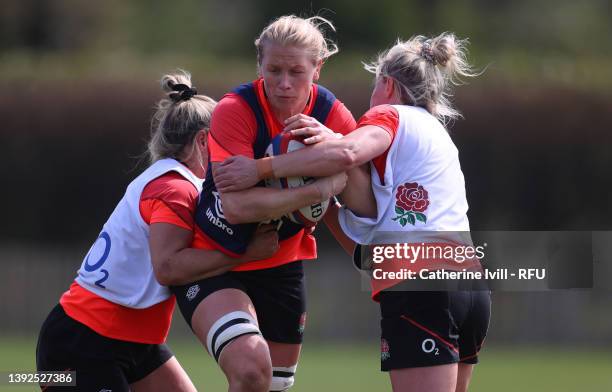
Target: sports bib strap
(248, 93)
(210, 219)
(209, 213)
(323, 104)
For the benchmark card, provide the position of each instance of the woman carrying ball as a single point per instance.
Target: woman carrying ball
(251, 319)
(430, 339)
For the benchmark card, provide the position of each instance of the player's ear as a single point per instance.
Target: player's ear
(201, 138)
(389, 84)
(317, 72)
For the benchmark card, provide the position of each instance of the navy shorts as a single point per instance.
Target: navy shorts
(278, 295)
(101, 363)
(428, 328)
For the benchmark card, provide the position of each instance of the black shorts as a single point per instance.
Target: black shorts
(100, 363)
(278, 295)
(428, 328)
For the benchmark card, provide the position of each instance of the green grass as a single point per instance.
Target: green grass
(355, 368)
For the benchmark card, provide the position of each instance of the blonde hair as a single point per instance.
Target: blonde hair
(178, 118)
(424, 70)
(291, 30)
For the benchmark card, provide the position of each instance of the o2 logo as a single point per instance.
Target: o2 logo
(101, 254)
(429, 346)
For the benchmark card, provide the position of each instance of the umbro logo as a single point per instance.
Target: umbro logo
(218, 205)
(192, 292)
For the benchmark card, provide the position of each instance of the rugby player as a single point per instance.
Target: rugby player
(251, 320)
(111, 325)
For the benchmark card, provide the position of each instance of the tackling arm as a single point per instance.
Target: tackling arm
(328, 157)
(261, 204)
(358, 195)
(331, 220)
(334, 155)
(175, 263)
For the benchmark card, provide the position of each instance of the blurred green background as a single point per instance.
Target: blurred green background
(78, 81)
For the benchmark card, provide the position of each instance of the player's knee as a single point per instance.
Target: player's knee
(227, 329)
(252, 377)
(283, 378)
(247, 365)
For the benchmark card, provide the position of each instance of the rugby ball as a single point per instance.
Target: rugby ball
(306, 216)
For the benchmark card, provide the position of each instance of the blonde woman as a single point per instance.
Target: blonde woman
(111, 325)
(251, 320)
(430, 339)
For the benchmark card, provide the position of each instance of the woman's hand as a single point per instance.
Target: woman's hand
(310, 128)
(235, 174)
(263, 245)
(331, 186)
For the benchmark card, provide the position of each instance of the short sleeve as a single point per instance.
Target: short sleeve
(387, 118)
(383, 116)
(170, 198)
(232, 129)
(340, 119)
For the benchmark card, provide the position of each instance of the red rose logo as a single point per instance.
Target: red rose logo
(302, 323)
(411, 201)
(384, 350)
(412, 197)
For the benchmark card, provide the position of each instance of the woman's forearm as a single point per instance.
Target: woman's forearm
(333, 155)
(358, 195)
(331, 220)
(261, 204)
(189, 265)
(174, 262)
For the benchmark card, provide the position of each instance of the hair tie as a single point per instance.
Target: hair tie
(183, 92)
(427, 53)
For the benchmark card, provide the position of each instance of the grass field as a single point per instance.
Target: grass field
(355, 369)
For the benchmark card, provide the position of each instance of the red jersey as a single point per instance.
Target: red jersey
(233, 131)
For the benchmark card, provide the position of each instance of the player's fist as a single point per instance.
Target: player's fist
(264, 243)
(331, 186)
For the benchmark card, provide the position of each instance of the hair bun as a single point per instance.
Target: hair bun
(182, 92)
(427, 52)
(444, 48)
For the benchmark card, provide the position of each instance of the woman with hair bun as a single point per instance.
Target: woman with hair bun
(251, 319)
(111, 325)
(402, 152)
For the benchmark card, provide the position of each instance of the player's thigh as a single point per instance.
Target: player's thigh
(279, 295)
(219, 302)
(221, 323)
(168, 377)
(464, 376)
(216, 306)
(64, 344)
(441, 378)
(417, 330)
(474, 328)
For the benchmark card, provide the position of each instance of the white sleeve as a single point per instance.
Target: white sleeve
(356, 228)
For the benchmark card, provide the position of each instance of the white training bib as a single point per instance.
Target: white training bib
(423, 188)
(118, 265)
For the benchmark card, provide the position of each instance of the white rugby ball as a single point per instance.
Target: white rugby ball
(306, 216)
